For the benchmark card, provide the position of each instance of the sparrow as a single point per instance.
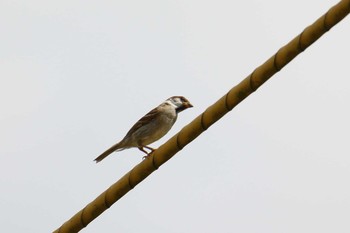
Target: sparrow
(151, 127)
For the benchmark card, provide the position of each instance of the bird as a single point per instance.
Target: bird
(151, 127)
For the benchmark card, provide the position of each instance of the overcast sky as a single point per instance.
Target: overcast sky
(76, 75)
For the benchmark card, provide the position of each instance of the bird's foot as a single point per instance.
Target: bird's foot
(148, 153)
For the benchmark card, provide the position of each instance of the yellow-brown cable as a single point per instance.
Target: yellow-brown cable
(213, 113)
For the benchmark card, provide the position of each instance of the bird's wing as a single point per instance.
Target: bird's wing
(146, 119)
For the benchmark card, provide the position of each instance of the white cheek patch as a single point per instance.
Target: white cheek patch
(171, 103)
(178, 102)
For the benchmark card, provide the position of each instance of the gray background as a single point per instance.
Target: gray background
(76, 75)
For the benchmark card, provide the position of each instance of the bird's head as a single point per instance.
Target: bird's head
(180, 103)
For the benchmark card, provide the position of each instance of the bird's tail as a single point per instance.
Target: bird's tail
(115, 147)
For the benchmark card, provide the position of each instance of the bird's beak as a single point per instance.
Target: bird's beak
(188, 105)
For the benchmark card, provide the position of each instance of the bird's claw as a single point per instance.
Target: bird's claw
(148, 155)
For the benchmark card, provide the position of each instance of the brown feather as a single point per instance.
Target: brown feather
(143, 121)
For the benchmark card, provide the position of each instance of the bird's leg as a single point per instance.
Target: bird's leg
(141, 148)
(150, 148)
